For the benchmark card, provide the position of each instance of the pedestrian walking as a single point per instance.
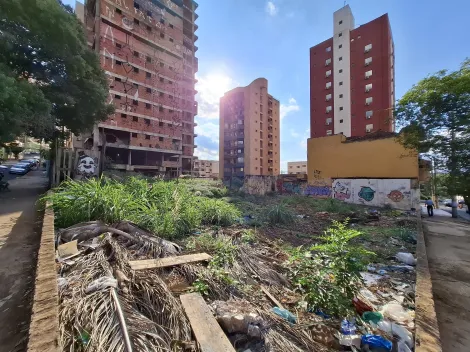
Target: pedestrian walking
(430, 206)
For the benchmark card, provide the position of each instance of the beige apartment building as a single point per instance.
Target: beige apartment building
(297, 167)
(249, 131)
(206, 168)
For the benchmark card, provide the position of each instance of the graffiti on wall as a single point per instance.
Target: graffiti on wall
(87, 166)
(318, 191)
(342, 190)
(366, 193)
(395, 196)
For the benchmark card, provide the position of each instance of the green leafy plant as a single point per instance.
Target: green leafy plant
(279, 214)
(248, 236)
(200, 286)
(328, 274)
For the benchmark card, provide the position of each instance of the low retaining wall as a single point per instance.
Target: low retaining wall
(427, 336)
(44, 326)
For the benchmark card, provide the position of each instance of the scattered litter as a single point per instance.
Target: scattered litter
(370, 279)
(362, 306)
(238, 317)
(284, 313)
(348, 327)
(101, 283)
(406, 258)
(321, 314)
(62, 282)
(402, 347)
(368, 295)
(67, 250)
(350, 340)
(382, 272)
(396, 312)
(300, 216)
(371, 268)
(372, 317)
(376, 341)
(399, 268)
(393, 329)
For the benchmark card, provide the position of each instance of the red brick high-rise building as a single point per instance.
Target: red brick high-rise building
(147, 49)
(352, 86)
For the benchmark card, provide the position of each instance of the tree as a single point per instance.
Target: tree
(48, 75)
(16, 150)
(435, 114)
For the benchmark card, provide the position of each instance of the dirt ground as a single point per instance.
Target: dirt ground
(20, 229)
(448, 248)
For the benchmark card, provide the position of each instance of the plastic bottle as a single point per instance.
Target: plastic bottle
(348, 327)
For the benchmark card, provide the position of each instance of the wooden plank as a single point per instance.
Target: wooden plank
(168, 261)
(271, 297)
(207, 331)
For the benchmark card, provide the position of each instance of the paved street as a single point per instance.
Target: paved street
(448, 248)
(20, 225)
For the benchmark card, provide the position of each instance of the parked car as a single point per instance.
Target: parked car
(20, 169)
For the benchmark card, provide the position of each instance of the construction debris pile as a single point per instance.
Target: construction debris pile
(230, 288)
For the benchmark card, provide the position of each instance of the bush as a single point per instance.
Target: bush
(167, 208)
(279, 214)
(328, 275)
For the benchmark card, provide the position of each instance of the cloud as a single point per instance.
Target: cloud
(211, 88)
(303, 142)
(271, 9)
(293, 133)
(206, 154)
(286, 109)
(207, 139)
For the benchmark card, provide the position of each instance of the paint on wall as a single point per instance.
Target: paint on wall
(395, 196)
(342, 190)
(87, 166)
(318, 191)
(366, 193)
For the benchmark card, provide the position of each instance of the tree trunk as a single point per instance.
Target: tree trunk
(454, 207)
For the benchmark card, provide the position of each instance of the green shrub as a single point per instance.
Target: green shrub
(328, 275)
(218, 212)
(279, 214)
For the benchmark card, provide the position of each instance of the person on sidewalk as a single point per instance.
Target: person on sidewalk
(430, 205)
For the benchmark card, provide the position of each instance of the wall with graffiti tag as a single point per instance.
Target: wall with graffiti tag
(398, 193)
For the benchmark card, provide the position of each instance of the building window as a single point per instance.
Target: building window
(368, 87)
(148, 106)
(170, 25)
(328, 73)
(367, 61)
(118, 97)
(118, 62)
(340, 108)
(329, 120)
(328, 97)
(147, 136)
(136, 21)
(136, 5)
(369, 128)
(135, 102)
(160, 139)
(368, 100)
(369, 114)
(147, 122)
(162, 64)
(124, 116)
(118, 45)
(341, 70)
(134, 135)
(340, 22)
(136, 53)
(368, 74)
(160, 108)
(328, 85)
(160, 94)
(148, 75)
(340, 58)
(368, 48)
(340, 34)
(149, 13)
(149, 28)
(136, 70)
(328, 108)
(340, 46)
(328, 49)
(135, 85)
(162, 80)
(148, 90)
(171, 40)
(327, 62)
(341, 95)
(341, 83)
(329, 132)
(118, 11)
(162, 35)
(135, 119)
(341, 121)
(117, 79)
(160, 124)
(149, 59)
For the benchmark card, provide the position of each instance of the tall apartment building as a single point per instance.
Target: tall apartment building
(147, 49)
(352, 86)
(249, 131)
(297, 167)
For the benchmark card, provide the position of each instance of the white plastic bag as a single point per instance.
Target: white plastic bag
(396, 330)
(396, 312)
(406, 258)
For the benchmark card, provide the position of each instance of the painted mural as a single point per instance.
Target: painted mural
(87, 166)
(342, 190)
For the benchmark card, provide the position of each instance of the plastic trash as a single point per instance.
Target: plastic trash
(406, 258)
(382, 272)
(322, 314)
(371, 297)
(402, 347)
(396, 330)
(396, 312)
(348, 327)
(350, 340)
(371, 268)
(372, 317)
(62, 282)
(284, 313)
(101, 283)
(376, 341)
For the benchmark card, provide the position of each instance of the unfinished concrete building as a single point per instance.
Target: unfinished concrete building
(147, 49)
(206, 168)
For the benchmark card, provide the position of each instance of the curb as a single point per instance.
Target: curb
(427, 336)
(44, 326)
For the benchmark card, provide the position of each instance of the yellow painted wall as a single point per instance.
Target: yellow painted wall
(334, 157)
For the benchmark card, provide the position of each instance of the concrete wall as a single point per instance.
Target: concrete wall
(398, 193)
(337, 157)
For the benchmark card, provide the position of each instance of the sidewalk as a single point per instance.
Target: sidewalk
(437, 212)
(20, 231)
(448, 247)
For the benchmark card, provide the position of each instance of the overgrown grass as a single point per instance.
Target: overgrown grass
(279, 214)
(168, 208)
(330, 205)
(206, 187)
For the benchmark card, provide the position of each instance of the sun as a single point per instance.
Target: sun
(214, 85)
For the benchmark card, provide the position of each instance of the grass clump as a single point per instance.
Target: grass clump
(328, 274)
(279, 214)
(167, 208)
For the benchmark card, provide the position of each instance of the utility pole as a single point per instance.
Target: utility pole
(434, 194)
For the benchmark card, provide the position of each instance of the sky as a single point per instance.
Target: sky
(241, 40)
